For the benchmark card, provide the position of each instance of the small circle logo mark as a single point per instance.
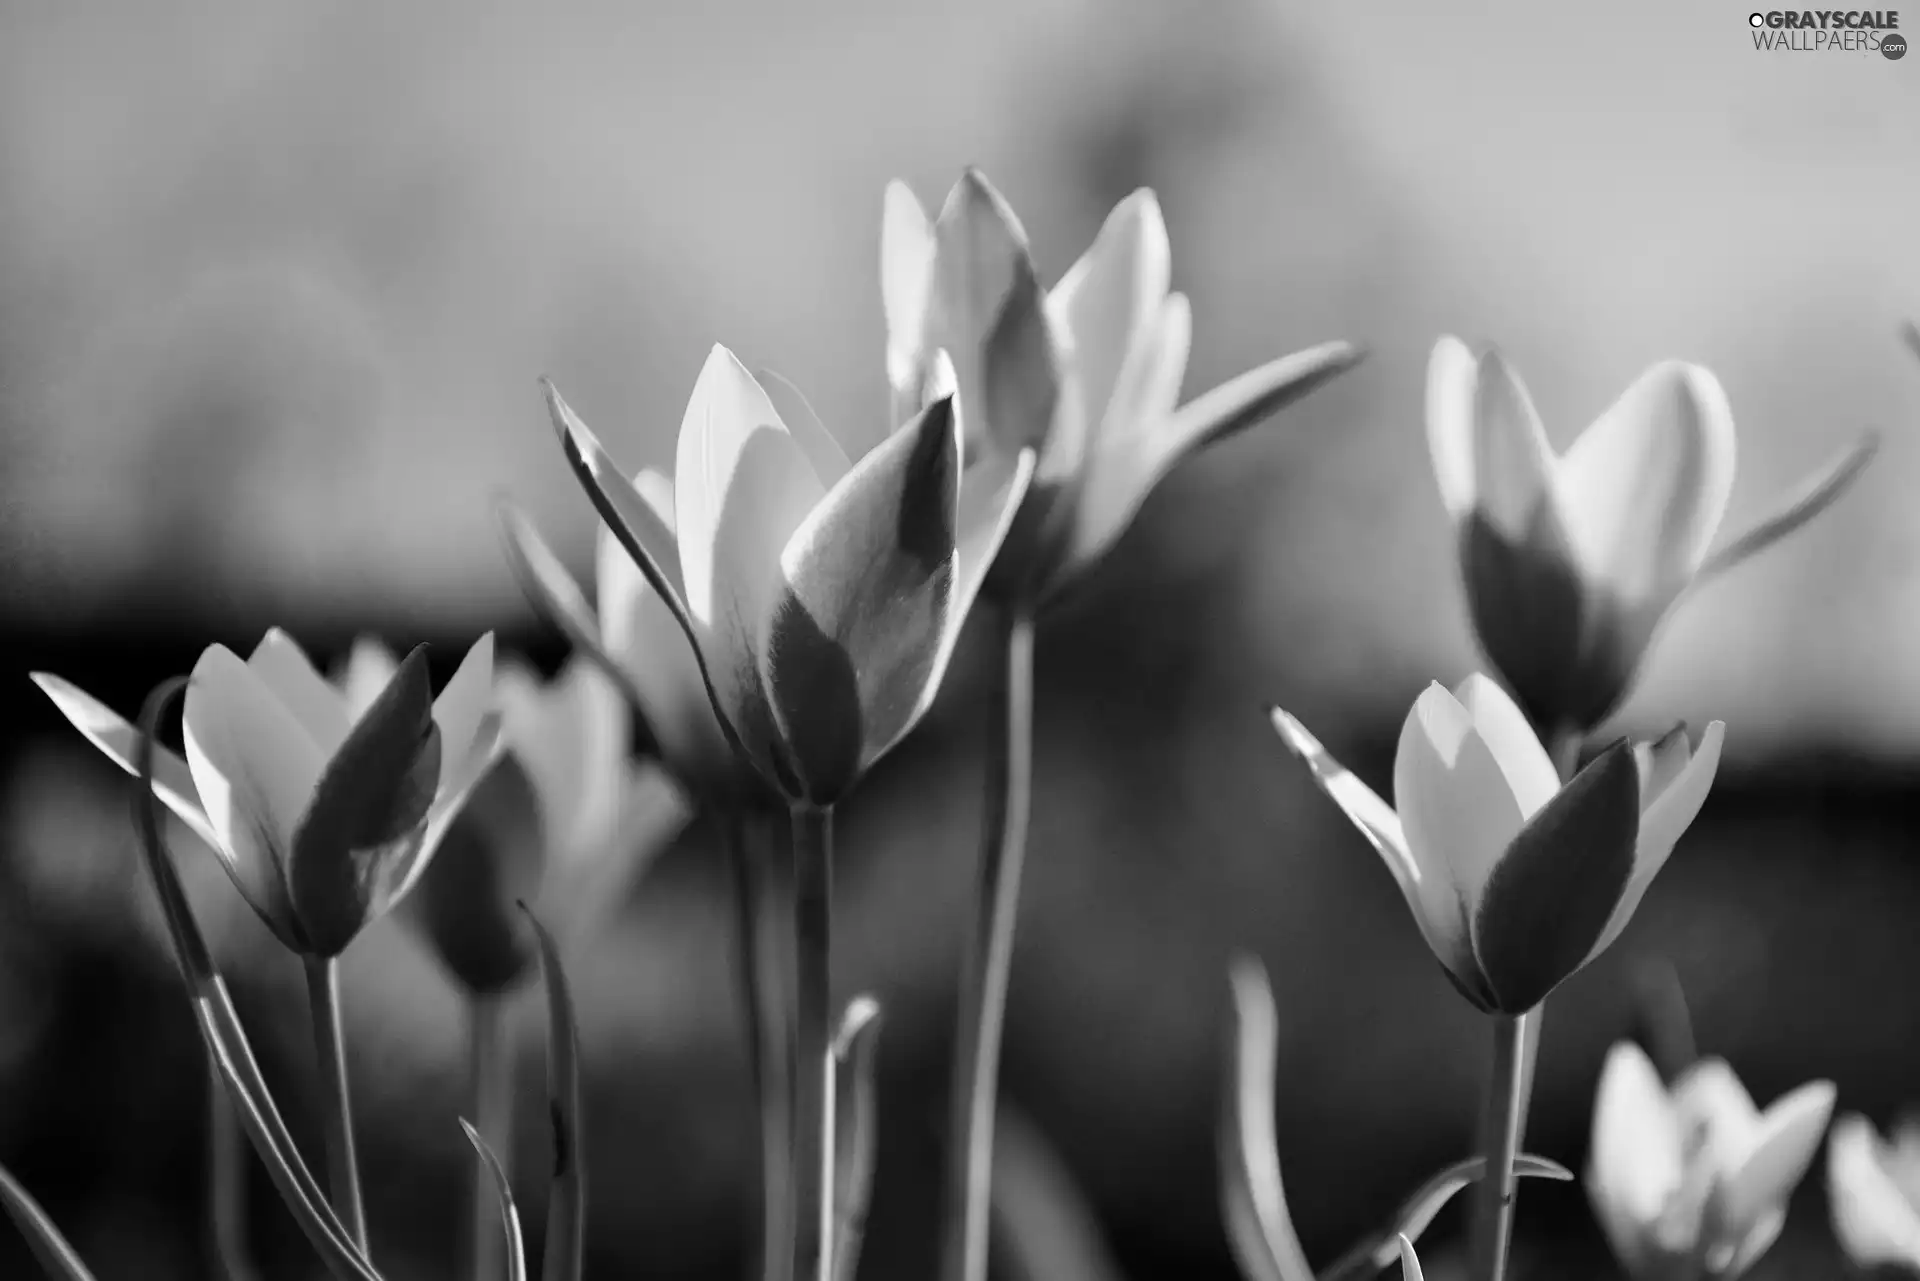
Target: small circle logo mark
(1894, 47)
(1756, 20)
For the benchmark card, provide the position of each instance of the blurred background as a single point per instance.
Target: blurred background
(276, 283)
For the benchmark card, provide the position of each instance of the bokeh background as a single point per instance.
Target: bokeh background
(276, 282)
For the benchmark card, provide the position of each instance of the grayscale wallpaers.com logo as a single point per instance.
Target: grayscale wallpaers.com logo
(1824, 31)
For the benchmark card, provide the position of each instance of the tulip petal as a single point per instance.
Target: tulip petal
(1644, 489)
(288, 673)
(1025, 395)
(1503, 727)
(1662, 825)
(1554, 890)
(906, 283)
(1458, 811)
(254, 767)
(367, 812)
(460, 706)
(1814, 495)
(368, 668)
(823, 452)
(1452, 373)
(991, 494)
(980, 250)
(1362, 806)
(1513, 466)
(571, 738)
(465, 899)
(1873, 1219)
(488, 745)
(854, 652)
(1709, 1096)
(1661, 762)
(1635, 1156)
(551, 590)
(633, 521)
(1107, 300)
(106, 730)
(1788, 1138)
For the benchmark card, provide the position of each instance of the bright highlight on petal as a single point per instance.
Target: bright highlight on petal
(1875, 1206)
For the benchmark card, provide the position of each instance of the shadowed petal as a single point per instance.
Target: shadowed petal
(855, 651)
(254, 767)
(980, 249)
(1107, 300)
(1513, 466)
(1662, 825)
(1644, 489)
(284, 668)
(461, 705)
(544, 580)
(1554, 890)
(106, 730)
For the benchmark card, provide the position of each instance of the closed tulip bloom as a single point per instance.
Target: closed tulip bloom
(1515, 881)
(1873, 1191)
(1088, 373)
(1572, 561)
(1695, 1181)
(821, 596)
(324, 811)
(561, 822)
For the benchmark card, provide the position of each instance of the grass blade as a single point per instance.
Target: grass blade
(1259, 1227)
(854, 1048)
(60, 1260)
(567, 1201)
(1417, 1213)
(509, 1216)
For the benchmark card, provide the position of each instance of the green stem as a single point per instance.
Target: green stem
(756, 892)
(983, 992)
(330, 1054)
(813, 1067)
(1500, 1140)
(227, 1183)
(490, 1065)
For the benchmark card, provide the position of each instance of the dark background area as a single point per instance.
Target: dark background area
(275, 285)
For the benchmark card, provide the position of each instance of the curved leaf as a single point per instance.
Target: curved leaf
(567, 1200)
(1261, 1231)
(59, 1259)
(509, 1216)
(854, 1048)
(1409, 1261)
(1418, 1211)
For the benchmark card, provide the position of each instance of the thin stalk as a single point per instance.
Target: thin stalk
(490, 1070)
(330, 1054)
(756, 892)
(227, 1183)
(813, 1067)
(1499, 1140)
(983, 990)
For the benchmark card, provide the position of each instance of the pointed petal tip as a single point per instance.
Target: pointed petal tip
(1295, 735)
(862, 1014)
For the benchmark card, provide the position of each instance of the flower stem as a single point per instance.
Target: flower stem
(813, 1120)
(983, 992)
(490, 1071)
(330, 1054)
(1500, 1140)
(227, 1183)
(757, 890)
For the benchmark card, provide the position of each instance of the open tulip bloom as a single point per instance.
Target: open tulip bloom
(324, 811)
(1515, 881)
(1572, 561)
(1873, 1192)
(1695, 1180)
(1087, 373)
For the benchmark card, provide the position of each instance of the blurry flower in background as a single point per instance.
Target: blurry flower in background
(1571, 562)
(322, 808)
(1696, 1178)
(1873, 1192)
(1515, 881)
(1087, 373)
(563, 822)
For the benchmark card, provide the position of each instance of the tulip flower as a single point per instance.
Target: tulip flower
(1873, 1192)
(1571, 562)
(1087, 373)
(1695, 1181)
(1515, 881)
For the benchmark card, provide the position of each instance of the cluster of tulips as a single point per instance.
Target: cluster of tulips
(778, 615)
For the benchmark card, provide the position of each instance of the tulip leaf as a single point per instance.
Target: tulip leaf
(56, 1257)
(1259, 1227)
(503, 1194)
(1554, 890)
(858, 641)
(355, 842)
(1814, 495)
(567, 1200)
(220, 1028)
(854, 1047)
(1418, 1212)
(1050, 1231)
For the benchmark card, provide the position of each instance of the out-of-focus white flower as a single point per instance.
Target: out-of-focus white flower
(1572, 561)
(1515, 881)
(822, 596)
(1873, 1191)
(324, 808)
(1087, 373)
(562, 821)
(1695, 1181)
